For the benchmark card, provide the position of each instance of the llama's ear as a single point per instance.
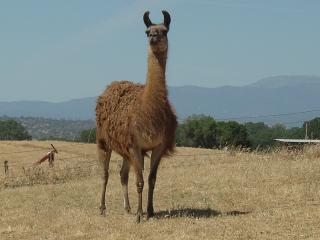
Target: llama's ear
(167, 19)
(146, 19)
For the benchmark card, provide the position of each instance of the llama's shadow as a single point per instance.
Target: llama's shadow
(196, 213)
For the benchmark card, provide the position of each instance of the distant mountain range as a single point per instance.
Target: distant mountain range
(270, 96)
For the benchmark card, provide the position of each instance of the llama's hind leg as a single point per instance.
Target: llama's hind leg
(104, 154)
(154, 163)
(124, 177)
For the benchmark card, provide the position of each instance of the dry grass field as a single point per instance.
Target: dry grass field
(200, 194)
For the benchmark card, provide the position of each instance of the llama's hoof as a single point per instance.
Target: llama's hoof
(127, 209)
(150, 213)
(103, 211)
(139, 217)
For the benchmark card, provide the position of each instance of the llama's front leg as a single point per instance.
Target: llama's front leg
(124, 177)
(137, 163)
(139, 183)
(104, 158)
(154, 163)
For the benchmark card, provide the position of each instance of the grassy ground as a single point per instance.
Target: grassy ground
(200, 194)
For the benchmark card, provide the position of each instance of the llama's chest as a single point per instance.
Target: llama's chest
(148, 142)
(149, 131)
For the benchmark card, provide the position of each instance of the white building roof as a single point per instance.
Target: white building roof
(298, 140)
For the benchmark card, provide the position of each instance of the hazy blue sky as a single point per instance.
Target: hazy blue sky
(59, 50)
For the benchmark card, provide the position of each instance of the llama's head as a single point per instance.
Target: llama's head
(157, 33)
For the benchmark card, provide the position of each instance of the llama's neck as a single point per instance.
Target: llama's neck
(156, 88)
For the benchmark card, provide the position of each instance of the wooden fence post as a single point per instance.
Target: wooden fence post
(6, 167)
(51, 159)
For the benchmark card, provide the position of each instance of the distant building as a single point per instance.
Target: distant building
(302, 141)
(297, 144)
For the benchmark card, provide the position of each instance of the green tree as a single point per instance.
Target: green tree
(262, 136)
(296, 132)
(13, 130)
(204, 131)
(88, 136)
(313, 128)
(232, 134)
(278, 131)
(197, 131)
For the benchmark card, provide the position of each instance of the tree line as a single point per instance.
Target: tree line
(204, 131)
(200, 131)
(13, 130)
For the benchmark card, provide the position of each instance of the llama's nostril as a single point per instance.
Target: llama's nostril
(154, 40)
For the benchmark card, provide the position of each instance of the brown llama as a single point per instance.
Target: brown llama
(132, 119)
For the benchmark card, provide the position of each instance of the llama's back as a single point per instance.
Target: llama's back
(113, 112)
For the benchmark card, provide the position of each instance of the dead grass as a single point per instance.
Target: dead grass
(200, 194)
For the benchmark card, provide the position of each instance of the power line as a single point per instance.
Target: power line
(268, 115)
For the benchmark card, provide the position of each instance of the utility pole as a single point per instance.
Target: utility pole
(306, 134)
(6, 167)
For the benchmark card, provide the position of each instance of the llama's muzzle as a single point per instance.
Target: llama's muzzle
(154, 40)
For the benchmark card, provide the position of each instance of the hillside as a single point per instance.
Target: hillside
(77, 109)
(234, 195)
(274, 95)
(286, 81)
(43, 128)
(264, 97)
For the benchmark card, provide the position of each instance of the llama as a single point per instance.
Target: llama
(132, 119)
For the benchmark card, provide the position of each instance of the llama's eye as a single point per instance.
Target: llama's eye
(148, 33)
(164, 33)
